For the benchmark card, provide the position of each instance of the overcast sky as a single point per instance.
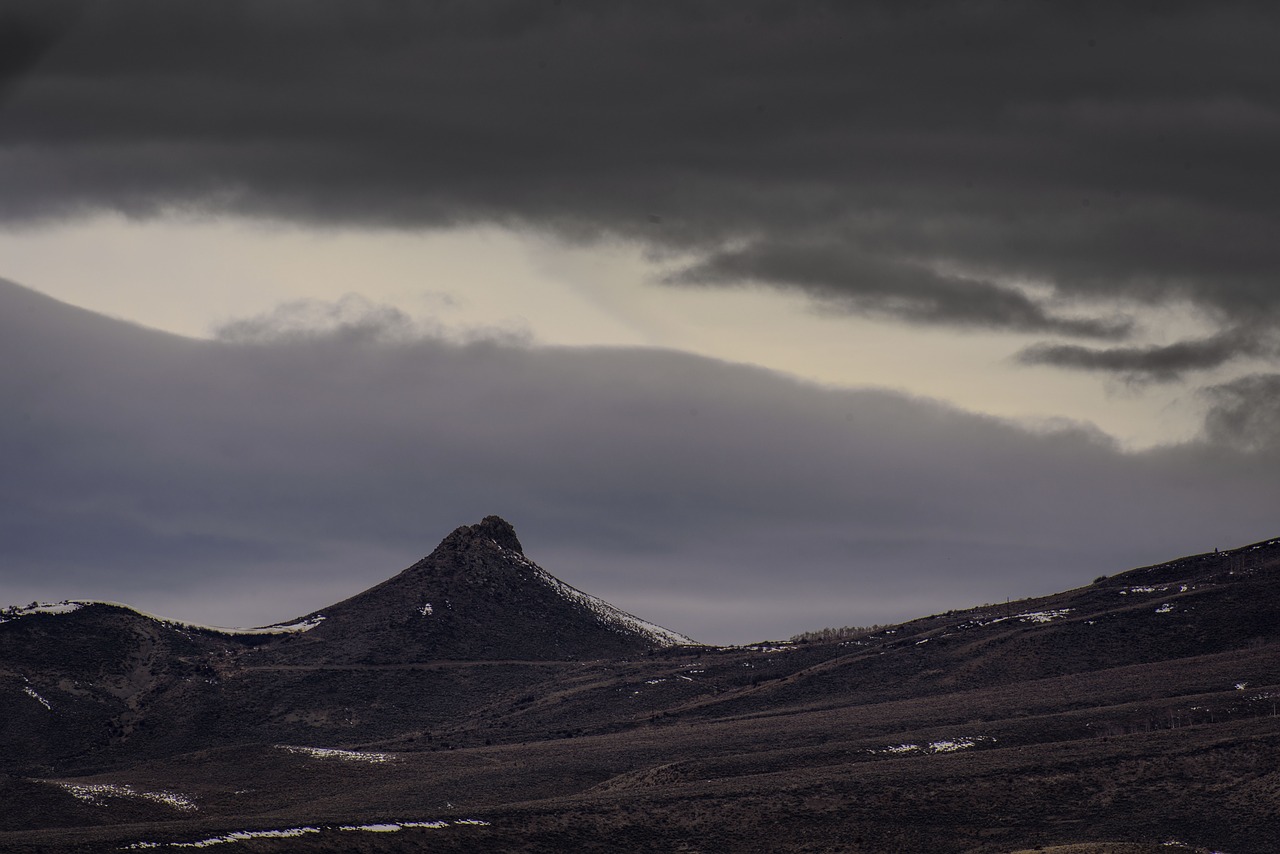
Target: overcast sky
(751, 317)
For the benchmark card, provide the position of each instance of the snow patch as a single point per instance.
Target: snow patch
(234, 836)
(334, 753)
(949, 745)
(13, 612)
(426, 610)
(96, 793)
(1165, 608)
(276, 629)
(397, 826)
(1026, 617)
(31, 692)
(1043, 616)
(291, 832)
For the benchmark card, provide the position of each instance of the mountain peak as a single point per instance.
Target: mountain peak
(478, 597)
(493, 528)
(500, 531)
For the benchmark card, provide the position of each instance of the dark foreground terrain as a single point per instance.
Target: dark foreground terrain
(474, 703)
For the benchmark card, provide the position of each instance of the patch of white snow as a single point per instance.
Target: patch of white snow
(31, 692)
(1043, 616)
(291, 832)
(96, 793)
(14, 612)
(334, 753)
(1129, 590)
(949, 745)
(234, 836)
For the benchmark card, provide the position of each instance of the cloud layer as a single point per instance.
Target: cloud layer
(926, 163)
(1167, 363)
(254, 479)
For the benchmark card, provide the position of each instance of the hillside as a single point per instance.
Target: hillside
(515, 713)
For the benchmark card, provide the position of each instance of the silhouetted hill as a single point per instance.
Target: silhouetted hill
(475, 597)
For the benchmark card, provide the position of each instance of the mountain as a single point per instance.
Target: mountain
(1137, 714)
(476, 597)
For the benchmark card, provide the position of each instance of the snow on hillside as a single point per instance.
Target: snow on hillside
(334, 753)
(35, 695)
(293, 832)
(949, 745)
(13, 612)
(70, 605)
(234, 836)
(98, 794)
(606, 614)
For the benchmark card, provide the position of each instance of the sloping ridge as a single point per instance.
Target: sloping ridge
(1160, 616)
(475, 597)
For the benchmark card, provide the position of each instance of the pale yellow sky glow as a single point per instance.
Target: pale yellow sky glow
(191, 276)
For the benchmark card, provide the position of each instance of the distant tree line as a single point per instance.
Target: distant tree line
(833, 634)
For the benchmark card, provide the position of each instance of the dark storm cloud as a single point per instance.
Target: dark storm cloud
(1099, 150)
(272, 474)
(1152, 364)
(1245, 413)
(28, 30)
(858, 281)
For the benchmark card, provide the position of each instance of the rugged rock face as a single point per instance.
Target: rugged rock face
(476, 597)
(493, 527)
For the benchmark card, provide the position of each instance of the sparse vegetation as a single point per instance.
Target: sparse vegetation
(835, 634)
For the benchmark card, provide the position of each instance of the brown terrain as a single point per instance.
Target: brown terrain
(474, 703)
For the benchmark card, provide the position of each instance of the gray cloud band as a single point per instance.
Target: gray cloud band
(1156, 364)
(1093, 150)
